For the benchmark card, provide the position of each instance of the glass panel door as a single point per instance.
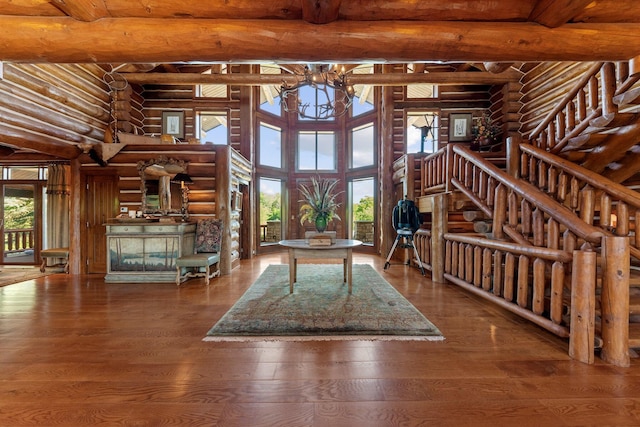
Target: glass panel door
(19, 224)
(270, 211)
(361, 196)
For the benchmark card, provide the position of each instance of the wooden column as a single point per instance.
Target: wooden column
(387, 203)
(583, 296)
(75, 265)
(615, 301)
(223, 203)
(438, 229)
(248, 222)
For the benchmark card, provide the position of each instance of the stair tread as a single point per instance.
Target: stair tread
(630, 97)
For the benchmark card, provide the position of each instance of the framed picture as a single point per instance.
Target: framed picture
(460, 127)
(236, 201)
(173, 123)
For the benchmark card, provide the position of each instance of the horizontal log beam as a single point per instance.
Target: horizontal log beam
(471, 78)
(66, 40)
(21, 139)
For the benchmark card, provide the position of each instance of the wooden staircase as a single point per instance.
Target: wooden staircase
(569, 165)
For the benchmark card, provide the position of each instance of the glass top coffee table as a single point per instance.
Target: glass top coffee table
(300, 248)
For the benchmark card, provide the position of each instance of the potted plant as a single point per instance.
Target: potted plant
(319, 203)
(485, 132)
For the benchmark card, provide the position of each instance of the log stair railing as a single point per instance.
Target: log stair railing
(541, 261)
(612, 207)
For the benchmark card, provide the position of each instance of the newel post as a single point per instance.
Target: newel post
(513, 155)
(439, 227)
(583, 306)
(615, 300)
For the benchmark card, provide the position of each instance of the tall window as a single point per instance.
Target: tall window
(212, 127)
(316, 151)
(362, 146)
(422, 132)
(270, 146)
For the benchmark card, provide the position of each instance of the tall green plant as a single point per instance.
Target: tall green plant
(319, 199)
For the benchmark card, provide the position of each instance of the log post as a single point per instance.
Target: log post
(438, 229)
(75, 207)
(583, 295)
(615, 300)
(223, 204)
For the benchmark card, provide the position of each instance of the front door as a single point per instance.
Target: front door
(100, 205)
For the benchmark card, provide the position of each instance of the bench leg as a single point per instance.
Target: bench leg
(43, 265)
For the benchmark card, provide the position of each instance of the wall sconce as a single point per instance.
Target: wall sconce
(183, 179)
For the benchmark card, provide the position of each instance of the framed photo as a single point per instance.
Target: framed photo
(173, 123)
(460, 127)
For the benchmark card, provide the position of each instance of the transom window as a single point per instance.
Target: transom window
(422, 131)
(213, 90)
(213, 127)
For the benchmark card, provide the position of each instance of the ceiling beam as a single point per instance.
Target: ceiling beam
(471, 78)
(20, 139)
(66, 40)
(82, 10)
(553, 13)
(320, 11)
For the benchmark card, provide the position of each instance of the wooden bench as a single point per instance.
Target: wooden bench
(55, 253)
(206, 252)
(194, 263)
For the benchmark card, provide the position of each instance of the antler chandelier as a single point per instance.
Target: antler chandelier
(333, 94)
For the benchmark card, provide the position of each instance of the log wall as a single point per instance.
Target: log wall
(159, 98)
(49, 108)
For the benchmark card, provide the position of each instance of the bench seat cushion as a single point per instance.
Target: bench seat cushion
(55, 253)
(197, 260)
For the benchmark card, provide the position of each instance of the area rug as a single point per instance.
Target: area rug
(320, 308)
(10, 275)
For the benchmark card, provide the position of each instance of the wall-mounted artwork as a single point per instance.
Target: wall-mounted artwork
(173, 123)
(460, 127)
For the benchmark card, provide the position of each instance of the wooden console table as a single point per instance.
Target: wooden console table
(299, 248)
(140, 251)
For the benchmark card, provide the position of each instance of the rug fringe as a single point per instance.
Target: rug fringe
(325, 338)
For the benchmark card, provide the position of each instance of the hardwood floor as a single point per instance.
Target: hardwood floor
(75, 351)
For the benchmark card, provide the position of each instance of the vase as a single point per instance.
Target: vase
(321, 223)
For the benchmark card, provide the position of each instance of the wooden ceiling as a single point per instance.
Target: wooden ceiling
(321, 31)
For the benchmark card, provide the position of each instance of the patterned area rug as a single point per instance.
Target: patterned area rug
(321, 308)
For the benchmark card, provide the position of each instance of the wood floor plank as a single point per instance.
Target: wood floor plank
(76, 351)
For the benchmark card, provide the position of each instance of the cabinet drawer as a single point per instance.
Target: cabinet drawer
(114, 229)
(161, 228)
